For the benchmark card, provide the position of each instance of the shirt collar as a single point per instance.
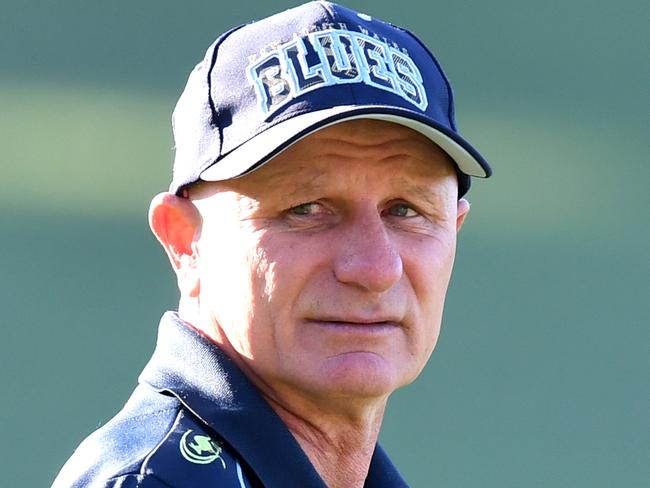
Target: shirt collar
(209, 384)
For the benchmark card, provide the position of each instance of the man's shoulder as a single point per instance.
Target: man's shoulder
(122, 445)
(153, 442)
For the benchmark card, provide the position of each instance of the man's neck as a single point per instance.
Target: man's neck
(339, 446)
(338, 436)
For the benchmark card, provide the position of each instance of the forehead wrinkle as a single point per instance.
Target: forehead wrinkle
(306, 180)
(403, 165)
(421, 165)
(416, 148)
(397, 144)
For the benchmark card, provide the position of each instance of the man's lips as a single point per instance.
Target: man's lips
(356, 325)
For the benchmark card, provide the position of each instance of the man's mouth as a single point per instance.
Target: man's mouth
(356, 325)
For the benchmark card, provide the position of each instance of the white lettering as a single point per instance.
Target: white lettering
(333, 57)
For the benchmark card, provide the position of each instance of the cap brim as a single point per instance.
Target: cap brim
(264, 146)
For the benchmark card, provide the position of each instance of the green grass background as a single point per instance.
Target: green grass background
(540, 378)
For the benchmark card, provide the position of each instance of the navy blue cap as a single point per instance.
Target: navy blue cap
(265, 85)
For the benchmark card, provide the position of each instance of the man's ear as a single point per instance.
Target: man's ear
(176, 223)
(463, 210)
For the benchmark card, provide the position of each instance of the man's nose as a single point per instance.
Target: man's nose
(367, 255)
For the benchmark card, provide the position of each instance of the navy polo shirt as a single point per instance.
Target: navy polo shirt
(195, 420)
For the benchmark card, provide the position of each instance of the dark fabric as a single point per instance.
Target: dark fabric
(195, 420)
(307, 60)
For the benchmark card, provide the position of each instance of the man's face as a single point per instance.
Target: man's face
(325, 271)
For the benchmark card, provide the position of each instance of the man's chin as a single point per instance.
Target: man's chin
(362, 375)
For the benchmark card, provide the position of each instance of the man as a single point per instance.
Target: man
(311, 223)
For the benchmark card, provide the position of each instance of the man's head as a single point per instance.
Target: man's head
(313, 214)
(326, 269)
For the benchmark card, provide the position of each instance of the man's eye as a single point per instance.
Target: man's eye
(402, 210)
(305, 209)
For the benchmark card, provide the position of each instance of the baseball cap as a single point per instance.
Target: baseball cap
(263, 86)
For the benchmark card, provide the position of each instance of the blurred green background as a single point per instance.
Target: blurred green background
(540, 378)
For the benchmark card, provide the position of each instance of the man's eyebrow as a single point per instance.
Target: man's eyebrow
(304, 188)
(305, 183)
(421, 192)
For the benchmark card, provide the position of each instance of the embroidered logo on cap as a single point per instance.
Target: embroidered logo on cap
(200, 449)
(334, 57)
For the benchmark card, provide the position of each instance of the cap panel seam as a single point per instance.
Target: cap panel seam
(213, 62)
(324, 6)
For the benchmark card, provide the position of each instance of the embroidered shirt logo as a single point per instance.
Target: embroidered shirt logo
(200, 449)
(334, 57)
